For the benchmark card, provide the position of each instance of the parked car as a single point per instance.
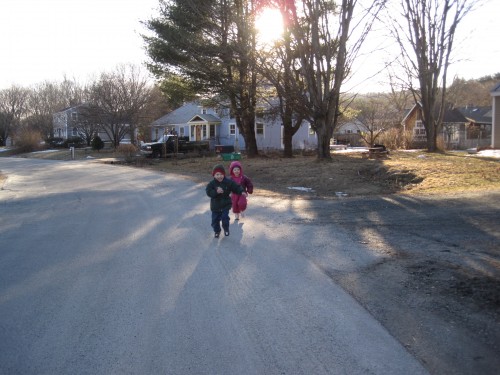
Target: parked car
(74, 142)
(55, 142)
(168, 144)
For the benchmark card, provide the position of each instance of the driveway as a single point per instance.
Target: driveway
(112, 270)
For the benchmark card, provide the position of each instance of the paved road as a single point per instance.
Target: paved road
(113, 270)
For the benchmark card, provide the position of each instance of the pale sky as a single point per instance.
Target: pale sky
(476, 51)
(43, 40)
(46, 39)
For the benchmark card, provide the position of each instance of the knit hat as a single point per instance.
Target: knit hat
(219, 168)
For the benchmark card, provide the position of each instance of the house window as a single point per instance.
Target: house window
(259, 112)
(259, 128)
(311, 130)
(74, 116)
(75, 131)
(232, 129)
(181, 131)
(212, 131)
(204, 129)
(203, 111)
(419, 130)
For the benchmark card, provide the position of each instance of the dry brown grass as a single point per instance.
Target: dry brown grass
(402, 172)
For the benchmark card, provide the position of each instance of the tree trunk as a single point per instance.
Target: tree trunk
(324, 135)
(251, 144)
(287, 141)
(429, 122)
(432, 138)
(248, 131)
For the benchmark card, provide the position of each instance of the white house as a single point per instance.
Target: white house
(349, 133)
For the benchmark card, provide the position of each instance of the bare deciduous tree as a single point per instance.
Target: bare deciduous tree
(376, 115)
(425, 32)
(472, 92)
(117, 100)
(13, 110)
(44, 100)
(328, 36)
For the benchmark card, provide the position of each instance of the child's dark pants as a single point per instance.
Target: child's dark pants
(217, 217)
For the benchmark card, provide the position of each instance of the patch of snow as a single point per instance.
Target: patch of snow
(44, 151)
(489, 153)
(306, 189)
(350, 149)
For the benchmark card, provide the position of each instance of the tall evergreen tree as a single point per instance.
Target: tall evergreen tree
(210, 46)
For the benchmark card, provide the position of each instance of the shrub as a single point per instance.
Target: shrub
(28, 141)
(391, 139)
(97, 143)
(127, 151)
(394, 139)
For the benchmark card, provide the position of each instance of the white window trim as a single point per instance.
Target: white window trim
(263, 129)
(233, 130)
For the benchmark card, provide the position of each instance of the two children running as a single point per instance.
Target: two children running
(226, 193)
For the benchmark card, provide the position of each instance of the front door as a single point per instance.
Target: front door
(197, 135)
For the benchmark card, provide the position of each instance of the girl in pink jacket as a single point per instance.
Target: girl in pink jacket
(239, 202)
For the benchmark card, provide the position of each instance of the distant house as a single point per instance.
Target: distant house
(198, 122)
(478, 128)
(454, 130)
(349, 133)
(66, 124)
(190, 120)
(495, 115)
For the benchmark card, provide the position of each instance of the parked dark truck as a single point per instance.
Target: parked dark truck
(171, 144)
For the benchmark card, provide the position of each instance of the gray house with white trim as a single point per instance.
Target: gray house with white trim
(199, 123)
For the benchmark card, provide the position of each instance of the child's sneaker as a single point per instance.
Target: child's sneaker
(217, 234)
(226, 232)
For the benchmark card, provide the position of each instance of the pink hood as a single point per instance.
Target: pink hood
(235, 164)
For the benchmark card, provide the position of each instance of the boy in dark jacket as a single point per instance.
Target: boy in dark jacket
(219, 190)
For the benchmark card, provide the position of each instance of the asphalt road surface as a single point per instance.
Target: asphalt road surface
(114, 270)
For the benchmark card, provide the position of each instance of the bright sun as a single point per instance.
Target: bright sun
(269, 25)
